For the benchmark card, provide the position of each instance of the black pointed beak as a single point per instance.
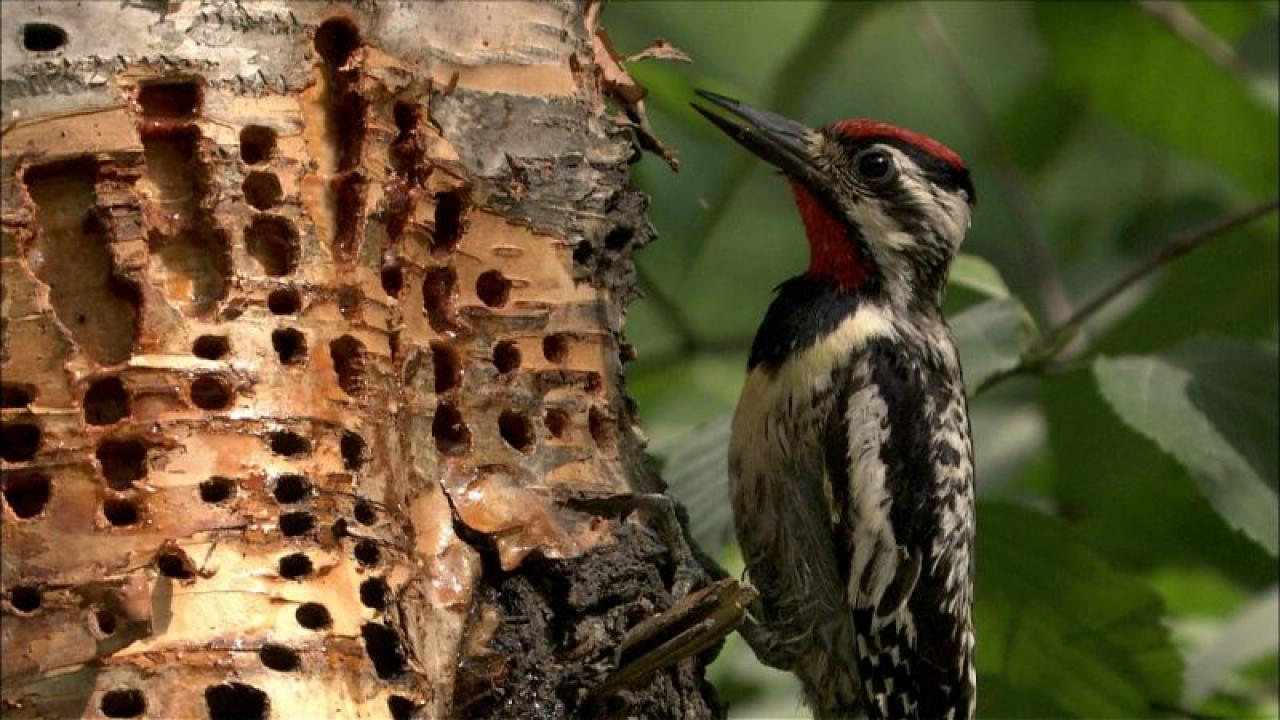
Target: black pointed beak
(783, 143)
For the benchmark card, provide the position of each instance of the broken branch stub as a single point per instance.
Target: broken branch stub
(303, 341)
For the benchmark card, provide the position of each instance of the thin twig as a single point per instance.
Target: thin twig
(1053, 294)
(1179, 20)
(1050, 345)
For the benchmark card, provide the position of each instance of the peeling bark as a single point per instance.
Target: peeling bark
(312, 366)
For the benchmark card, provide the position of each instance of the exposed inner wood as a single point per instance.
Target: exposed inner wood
(311, 334)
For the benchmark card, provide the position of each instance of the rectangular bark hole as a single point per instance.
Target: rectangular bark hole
(15, 395)
(349, 192)
(169, 98)
(450, 207)
(71, 255)
(194, 261)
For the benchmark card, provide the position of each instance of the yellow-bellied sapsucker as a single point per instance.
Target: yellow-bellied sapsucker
(850, 464)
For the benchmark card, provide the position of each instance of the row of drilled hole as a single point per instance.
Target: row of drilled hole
(381, 643)
(494, 290)
(335, 40)
(453, 436)
(229, 700)
(492, 287)
(506, 359)
(107, 401)
(271, 235)
(123, 463)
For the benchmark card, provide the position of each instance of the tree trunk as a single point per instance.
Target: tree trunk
(312, 396)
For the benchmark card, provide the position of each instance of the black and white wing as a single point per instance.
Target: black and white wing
(898, 460)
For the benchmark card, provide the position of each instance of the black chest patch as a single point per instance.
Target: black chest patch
(805, 310)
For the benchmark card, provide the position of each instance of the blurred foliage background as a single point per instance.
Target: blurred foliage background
(1128, 492)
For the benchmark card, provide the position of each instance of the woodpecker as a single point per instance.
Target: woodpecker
(850, 461)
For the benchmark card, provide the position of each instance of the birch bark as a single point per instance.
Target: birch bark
(312, 350)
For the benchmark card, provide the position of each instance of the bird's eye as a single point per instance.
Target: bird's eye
(875, 166)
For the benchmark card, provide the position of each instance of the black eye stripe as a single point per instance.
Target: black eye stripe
(938, 172)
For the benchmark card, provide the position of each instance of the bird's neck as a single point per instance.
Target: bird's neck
(835, 252)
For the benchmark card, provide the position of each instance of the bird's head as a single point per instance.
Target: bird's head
(885, 209)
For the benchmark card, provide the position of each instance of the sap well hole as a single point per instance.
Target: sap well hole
(262, 190)
(557, 422)
(125, 703)
(273, 242)
(43, 37)
(169, 99)
(383, 647)
(291, 489)
(211, 347)
(288, 443)
(257, 143)
(13, 395)
(175, 564)
(516, 430)
(217, 489)
(19, 441)
(120, 512)
(106, 401)
(295, 566)
(506, 356)
(555, 348)
(27, 492)
(373, 593)
(493, 288)
(26, 598)
(290, 346)
(285, 301)
(452, 435)
(279, 657)
(347, 354)
(313, 616)
(367, 552)
(448, 366)
(236, 701)
(123, 462)
(353, 449)
(365, 513)
(210, 392)
(293, 524)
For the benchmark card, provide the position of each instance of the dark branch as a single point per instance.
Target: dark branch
(1047, 348)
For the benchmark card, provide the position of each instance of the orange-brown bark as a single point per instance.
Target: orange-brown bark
(311, 342)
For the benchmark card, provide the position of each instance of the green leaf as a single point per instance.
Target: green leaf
(1060, 632)
(1211, 404)
(1134, 504)
(1128, 66)
(991, 337)
(975, 273)
(1249, 636)
(1205, 293)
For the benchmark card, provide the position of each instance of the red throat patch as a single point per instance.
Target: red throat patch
(832, 252)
